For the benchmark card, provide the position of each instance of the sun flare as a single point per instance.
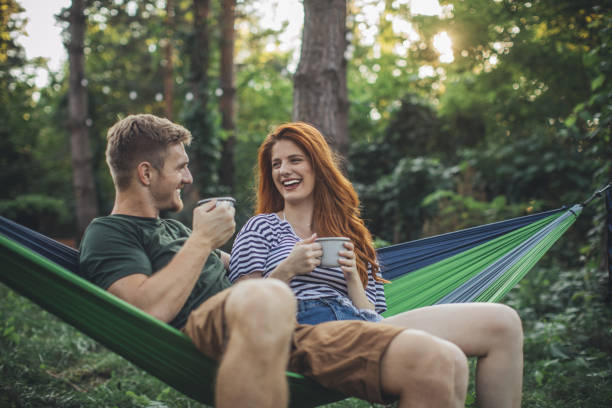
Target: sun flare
(444, 45)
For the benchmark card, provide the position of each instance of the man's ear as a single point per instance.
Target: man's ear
(145, 172)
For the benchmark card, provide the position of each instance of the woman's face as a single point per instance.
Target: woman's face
(292, 172)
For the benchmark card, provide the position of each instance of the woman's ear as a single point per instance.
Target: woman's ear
(144, 170)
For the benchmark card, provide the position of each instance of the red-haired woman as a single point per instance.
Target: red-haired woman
(302, 195)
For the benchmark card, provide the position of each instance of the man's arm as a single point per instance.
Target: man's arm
(164, 293)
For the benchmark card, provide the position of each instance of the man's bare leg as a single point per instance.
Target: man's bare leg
(424, 371)
(492, 332)
(261, 318)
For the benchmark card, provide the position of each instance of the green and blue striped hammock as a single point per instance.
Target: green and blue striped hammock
(478, 264)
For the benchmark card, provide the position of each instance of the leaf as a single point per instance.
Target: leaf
(470, 400)
(556, 351)
(539, 377)
(598, 82)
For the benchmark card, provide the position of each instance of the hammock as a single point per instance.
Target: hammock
(476, 264)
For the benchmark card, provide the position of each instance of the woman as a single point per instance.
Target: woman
(293, 210)
(302, 195)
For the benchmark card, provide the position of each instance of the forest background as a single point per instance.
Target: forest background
(511, 118)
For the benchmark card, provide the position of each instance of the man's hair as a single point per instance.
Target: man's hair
(139, 138)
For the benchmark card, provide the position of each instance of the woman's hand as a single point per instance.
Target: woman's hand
(356, 291)
(348, 263)
(304, 257)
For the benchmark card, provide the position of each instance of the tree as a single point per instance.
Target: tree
(228, 96)
(198, 116)
(84, 189)
(16, 136)
(168, 62)
(320, 91)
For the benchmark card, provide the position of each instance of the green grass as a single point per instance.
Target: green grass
(568, 353)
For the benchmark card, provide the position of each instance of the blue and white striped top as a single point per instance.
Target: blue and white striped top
(266, 240)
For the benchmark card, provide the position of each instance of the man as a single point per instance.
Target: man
(179, 276)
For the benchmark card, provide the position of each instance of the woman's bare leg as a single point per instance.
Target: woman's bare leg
(492, 332)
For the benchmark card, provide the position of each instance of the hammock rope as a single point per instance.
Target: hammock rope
(475, 264)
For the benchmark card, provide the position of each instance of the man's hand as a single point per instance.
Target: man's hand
(213, 224)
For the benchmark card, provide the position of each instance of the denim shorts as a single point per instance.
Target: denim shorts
(313, 311)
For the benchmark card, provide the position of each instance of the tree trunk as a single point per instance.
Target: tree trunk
(200, 50)
(168, 66)
(83, 182)
(197, 120)
(320, 93)
(226, 104)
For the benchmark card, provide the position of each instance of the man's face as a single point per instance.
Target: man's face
(166, 184)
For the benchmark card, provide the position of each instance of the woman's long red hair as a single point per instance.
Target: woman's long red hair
(336, 204)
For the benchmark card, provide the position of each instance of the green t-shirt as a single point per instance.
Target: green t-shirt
(120, 245)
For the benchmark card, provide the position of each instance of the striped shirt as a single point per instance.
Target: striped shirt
(266, 240)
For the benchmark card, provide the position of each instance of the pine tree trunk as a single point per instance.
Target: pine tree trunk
(168, 66)
(204, 169)
(83, 182)
(227, 102)
(200, 50)
(320, 91)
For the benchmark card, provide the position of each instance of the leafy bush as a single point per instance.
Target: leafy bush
(392, 205)
(42, 213)
(450, 211)
(568, 338)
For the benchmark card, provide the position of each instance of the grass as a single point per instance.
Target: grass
(568, 353)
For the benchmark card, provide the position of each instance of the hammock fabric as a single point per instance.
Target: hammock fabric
(476, 264)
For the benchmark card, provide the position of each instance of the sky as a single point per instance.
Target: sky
(44, 33)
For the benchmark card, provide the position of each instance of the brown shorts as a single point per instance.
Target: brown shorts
(341, 355)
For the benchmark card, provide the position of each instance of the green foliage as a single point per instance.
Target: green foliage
(42, 213)
(450, 211)
(591, 119)
(44, 362)
(18, 124)
(533, 164)
(568, 341)
(264, 100)
(124, 65)
(392, 205)
(205, 150)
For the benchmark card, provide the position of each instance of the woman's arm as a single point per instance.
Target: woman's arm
(355, 288)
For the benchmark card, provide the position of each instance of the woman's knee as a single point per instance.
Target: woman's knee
(417, 359)
(507, 325)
